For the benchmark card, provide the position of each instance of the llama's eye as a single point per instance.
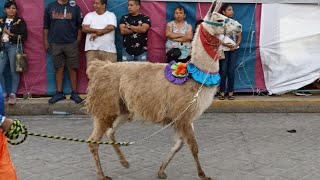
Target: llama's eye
(220, 20)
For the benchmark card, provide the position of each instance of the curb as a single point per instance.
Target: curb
(310, 106)
(40, 106)
(242, 104)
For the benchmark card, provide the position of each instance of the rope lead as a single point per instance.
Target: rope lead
(18, 128)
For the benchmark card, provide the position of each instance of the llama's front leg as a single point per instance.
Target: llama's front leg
(189, 137)
(174, 150)
(111, 136)
(98, 131)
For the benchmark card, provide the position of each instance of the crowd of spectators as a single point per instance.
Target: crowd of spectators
(63, 28)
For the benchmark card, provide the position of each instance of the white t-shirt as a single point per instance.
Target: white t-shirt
(5, 37)
(96, 21)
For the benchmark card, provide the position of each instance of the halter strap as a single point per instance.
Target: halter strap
(213, 23)
(217, 24)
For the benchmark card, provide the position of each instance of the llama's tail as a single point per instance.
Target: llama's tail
(94, 66)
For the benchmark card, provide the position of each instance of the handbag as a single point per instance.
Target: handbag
(21, 58)
(173, 54)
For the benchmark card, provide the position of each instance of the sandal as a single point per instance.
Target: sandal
(221, 97)
(231, 97)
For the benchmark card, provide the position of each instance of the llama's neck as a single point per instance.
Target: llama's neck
(199, 56)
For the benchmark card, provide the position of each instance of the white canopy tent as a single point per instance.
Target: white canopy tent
(289, 46)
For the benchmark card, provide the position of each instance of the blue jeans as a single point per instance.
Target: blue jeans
(1, 103)
(8, 54)
(227, 71)
(127, 57)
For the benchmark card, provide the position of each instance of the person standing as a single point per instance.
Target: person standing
(100, 27)
(134, 28)
(228, 65)
(11, 27)
(62, 35)
(179, 35)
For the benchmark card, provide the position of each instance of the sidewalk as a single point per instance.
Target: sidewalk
(288, 103)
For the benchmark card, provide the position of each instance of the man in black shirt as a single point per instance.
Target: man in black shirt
(134, 28)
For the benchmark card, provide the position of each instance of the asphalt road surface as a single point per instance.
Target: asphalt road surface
(232, 147)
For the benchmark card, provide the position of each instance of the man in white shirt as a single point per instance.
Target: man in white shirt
(100, 28)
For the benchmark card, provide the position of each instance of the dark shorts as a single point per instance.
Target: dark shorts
(65, 54)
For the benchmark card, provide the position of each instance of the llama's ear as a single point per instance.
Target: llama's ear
(211, 10)
(218, 6)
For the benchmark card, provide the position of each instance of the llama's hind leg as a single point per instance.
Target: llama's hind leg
(174, 150)
(188, 134)
(111, 135)
(99, 128)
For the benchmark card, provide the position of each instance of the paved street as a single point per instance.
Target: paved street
(232, 147)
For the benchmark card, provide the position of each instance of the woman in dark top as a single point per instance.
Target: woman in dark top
(11, 27)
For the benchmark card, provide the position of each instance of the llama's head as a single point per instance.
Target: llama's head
(205, 43)
(216, 23)
(220, 24)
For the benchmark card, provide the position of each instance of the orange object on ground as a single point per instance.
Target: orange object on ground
(7, 171)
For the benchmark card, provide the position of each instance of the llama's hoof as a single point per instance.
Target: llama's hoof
(107, 178)
(162, 175)
(206, 178)
(104, 178)
(125, 164)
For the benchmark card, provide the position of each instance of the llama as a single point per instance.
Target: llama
(121, 92)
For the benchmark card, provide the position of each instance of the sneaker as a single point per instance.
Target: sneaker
(12, 99)
(302, 94)
(57, 97)
(74, 96)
